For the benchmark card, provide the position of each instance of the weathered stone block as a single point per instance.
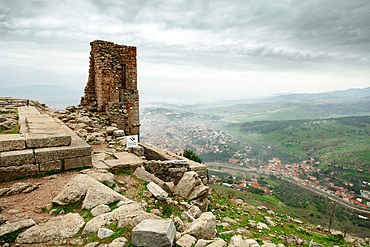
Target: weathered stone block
(45, 140)
(154, 233)
(16, 158)
(157, 191)
(10, 142)
(75, 150)
(55, 165)
(77, 162)
(12, 172)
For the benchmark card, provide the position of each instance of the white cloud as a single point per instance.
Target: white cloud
(221, 48)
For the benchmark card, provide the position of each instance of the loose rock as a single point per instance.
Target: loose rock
(154, 233)
(60, 227)
(204, 227)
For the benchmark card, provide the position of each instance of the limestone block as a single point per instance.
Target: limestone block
(154, 233)
(100, 209)
(269, 221)
(186, 241)
(10, 142)
(55, 165)
(93, 192)
(157, 191)
(65, 152)
(111, 129)
(77, 162)
(61, 227)
(141, 173)
(12, 172)
(237, 241)
(198, 191)
(47, 140)
(187, 183)
(103, 177)
(119, 242)
(218, 243)
(187, 216)
(16, 158)
(124, 160)
(204, 227)
(194, 211)
(15, 226)
(118, 133)
(104, 233)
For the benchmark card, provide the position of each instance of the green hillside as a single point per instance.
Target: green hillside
(288, 110)
(344, 141)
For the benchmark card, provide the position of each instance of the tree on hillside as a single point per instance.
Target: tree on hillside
(331, 208)
(192, 156)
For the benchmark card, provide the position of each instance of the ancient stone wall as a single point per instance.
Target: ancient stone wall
(112, 84)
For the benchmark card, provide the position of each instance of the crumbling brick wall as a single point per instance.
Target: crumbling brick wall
(112, 84)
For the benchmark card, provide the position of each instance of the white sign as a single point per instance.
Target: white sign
(132, 141)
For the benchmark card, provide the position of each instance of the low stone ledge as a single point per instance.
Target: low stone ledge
(79, 162)
(46, 140)
(78, 148)
(55, 165)
(151, 152)
(16, 158)
(9, 142)
(13, 172)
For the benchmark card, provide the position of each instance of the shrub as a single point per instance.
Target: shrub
(192, 156)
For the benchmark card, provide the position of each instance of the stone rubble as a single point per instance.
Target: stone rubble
(154, 233)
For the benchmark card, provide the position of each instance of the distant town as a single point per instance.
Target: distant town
(176, 131)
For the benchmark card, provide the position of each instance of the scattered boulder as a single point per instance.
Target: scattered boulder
(104, 233)
(15, 226)
(204, 227)
(154, 233)
(110, 130)
(269, 221)
(261, 226)
(186, 241)
(218, 243)
(118, 133)
(187, 216)
(237, 241)
(3, 219)
(157, 191)
(297, 221)
(103, 177)
(132, 213)
(238, 201)
(93, 192)
(194, 211)
(60, 227)
(229, 220)
(251, 242)
(156, 212)
(187, 184)
(336, 233)
(17, 188)
(198, 191)
(271, 213)
(100, 209)
(118, 242)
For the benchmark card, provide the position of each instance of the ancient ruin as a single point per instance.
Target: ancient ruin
(44, 144)
(112, 84)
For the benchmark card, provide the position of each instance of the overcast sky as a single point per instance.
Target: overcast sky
(192, 50)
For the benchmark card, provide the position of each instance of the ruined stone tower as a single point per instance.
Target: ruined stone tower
(112, 84)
